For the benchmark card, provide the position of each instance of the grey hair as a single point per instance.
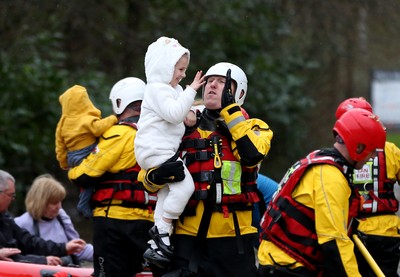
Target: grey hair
(4, 177)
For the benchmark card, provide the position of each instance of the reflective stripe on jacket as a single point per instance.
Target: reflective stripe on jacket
(375, 188)
(235, 184)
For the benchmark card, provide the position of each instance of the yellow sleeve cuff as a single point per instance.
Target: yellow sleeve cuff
(233, 116)
(148, 185)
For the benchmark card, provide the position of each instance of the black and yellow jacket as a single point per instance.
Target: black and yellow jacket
(245, 143)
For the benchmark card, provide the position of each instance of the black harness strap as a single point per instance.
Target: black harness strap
(209, 203)
(262, 206)
(239, 241)
(209, 206)
(199, 143)
(202, 232)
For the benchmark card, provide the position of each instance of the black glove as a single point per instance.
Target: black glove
(168, 172)
(227, 96)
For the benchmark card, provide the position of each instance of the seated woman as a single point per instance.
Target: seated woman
(44, 217)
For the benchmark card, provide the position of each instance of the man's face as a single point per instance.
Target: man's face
(213, 92)
(7, 196)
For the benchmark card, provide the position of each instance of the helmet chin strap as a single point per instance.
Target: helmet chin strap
(341, 148)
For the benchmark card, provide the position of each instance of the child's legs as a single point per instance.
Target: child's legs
(75, 157)
(86, 194)
(163, 227)
(83, 206)
(178, 196)
(158, 211)
(171, 201)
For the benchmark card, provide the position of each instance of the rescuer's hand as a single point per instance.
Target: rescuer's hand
(168, 172)
(227, 96)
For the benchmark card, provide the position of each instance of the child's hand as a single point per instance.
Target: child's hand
(198, 81)
(190, 119)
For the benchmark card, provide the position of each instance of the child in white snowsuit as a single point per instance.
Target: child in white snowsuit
(160, 130)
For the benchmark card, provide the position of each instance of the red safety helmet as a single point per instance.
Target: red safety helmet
(352, 103)
(360, 127)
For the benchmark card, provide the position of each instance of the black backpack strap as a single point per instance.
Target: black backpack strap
(74, 258)
(36, 230)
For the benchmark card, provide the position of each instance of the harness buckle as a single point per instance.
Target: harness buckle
(200, 143)
(201, 155)
(216, 142)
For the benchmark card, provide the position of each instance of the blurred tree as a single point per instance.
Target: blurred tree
(249, 34)
(301, 57)
(345, 40)
(95, 44)
(28, 116)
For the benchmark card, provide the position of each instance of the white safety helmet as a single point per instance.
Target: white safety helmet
(237, 74)
(127, 90)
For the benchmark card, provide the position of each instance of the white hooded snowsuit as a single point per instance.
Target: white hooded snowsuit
(161, 127)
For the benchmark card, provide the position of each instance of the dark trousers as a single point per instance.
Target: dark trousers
(220, 257)
(119, 246)
(384, 250)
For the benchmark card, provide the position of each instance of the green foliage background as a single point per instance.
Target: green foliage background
(394, 137)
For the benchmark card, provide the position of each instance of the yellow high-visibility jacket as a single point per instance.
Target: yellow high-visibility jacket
(385, 225)
(326, 190)
(114, 153)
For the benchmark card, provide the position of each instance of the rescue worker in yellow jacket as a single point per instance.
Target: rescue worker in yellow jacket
(122, 214)
(305, 228)
(378, 224)
(214, 235)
